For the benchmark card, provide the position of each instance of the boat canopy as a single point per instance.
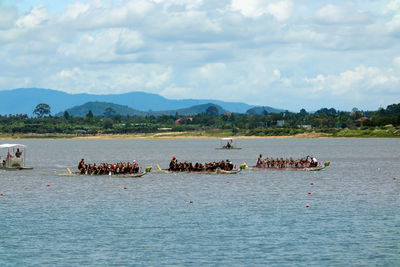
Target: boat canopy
(12, 146)
(227, 139)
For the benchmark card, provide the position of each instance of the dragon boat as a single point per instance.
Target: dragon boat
(216, 171)
(317, 168)
(110, 174)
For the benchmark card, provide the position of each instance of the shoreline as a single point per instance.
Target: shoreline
(173, 135)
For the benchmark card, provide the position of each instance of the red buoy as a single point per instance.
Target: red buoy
(153, 180)
(1, 194)
(394, 178)
(307, 206)
(125, 187)
(48, 185)
(311, 183)
(227, 182)
(191, 202)
(309, 193)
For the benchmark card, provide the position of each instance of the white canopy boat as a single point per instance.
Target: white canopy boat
(228, 143)
(15, 157)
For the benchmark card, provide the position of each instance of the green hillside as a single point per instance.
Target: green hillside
(99, 109)
(198, 109)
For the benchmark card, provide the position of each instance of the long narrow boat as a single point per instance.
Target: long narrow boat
(127, 175)
(217, 171)
(319, 168)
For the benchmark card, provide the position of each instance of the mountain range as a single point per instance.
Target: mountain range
(24, 100)
(99, 109)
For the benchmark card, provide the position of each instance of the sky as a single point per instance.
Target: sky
(288, 54)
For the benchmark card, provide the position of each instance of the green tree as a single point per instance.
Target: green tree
(89, 115)
(66, 115)
(42, 110)
(212, 111)
(108, 123)
(109, 112)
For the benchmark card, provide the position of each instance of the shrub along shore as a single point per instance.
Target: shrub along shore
(322, 123)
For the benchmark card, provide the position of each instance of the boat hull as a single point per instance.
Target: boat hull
(16, 169)
(132, 175)
(288, 169)
(200, 172)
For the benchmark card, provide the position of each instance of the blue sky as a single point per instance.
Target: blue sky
(288, 54)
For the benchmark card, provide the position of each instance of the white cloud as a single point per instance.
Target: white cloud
(394, 5)
(8, 16)
(36, 17)
(362, 81)
(281, 10)
(129, 42)
(266, 52)
(334, 14)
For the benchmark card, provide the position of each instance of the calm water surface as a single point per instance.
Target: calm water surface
(259, 218)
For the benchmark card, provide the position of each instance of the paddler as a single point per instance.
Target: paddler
(259, 161)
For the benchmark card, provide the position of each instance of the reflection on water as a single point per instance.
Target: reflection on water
(258, 218)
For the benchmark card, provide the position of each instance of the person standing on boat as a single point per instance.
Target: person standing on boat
(81, 164)
(259, 161)
(314, 162)
(18, 153)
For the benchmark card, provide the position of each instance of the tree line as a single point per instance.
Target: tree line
(285, 123)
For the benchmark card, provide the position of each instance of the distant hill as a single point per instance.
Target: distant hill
(99, 108)
(260, 110)
(198, 109)
(24, 100)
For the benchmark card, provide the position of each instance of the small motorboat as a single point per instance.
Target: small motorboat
(228, 143)
(15, 158)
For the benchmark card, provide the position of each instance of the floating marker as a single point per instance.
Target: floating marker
(48, 185)
(191, 202)
(227, 182)
(125, 187)
(394, 178)
(153, 180)
(1, 194)
(311, 183)
(309, 193)
(307, 206)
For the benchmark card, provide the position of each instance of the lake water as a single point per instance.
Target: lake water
(259, 218)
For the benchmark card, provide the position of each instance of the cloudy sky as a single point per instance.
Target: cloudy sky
(289, 54)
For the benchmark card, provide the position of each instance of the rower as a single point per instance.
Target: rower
(81, 164)
(314, 161)
(259, 161)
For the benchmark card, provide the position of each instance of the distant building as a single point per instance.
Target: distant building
(360, 121)
(280, 123)
(180, 120)
(306, 126)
